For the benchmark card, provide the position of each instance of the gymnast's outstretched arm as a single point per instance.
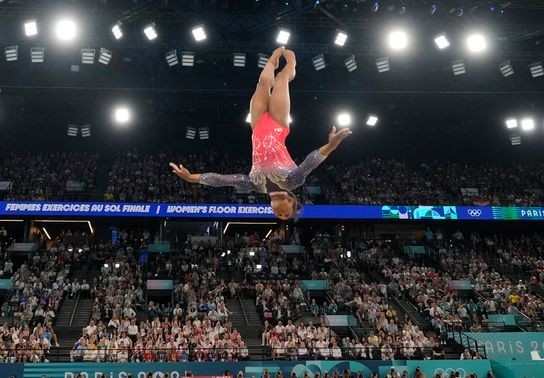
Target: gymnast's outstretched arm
(212, 179)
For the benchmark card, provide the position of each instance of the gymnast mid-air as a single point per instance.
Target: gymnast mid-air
(273, 170)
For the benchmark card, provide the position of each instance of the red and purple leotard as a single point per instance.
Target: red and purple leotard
(271, 162)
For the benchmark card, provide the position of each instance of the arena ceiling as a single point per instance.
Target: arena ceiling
(420, 101)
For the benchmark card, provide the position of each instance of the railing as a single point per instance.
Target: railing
(213, 354)
(468, 342)
(75, 308)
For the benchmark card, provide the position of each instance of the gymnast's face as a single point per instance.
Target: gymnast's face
(282, 205)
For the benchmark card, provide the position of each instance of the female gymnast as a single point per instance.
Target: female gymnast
(273, 171)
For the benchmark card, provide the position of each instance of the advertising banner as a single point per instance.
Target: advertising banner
(510, 345)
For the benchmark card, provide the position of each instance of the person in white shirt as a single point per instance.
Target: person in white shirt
(466, 355)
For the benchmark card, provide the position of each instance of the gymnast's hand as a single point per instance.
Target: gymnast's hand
(183, 172)
(336, 137)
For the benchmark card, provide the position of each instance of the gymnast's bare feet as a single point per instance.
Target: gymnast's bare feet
(291, 65)
(275, 57)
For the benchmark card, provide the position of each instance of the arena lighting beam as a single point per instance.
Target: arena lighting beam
(343, 119)
(122, 115)
(511, 123)
(441, 41)
(476, 43)
(67, 221)
(235, 223)
(283, 37)
(199, 34)
(341, 38)
(31, 28)
(527, 124)
(150, 31)
(66, 30)
(397, 40)
(117, 31)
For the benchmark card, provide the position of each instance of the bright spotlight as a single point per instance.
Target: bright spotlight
(372, 120)
(150, 32)
(441, 41)
(398, 40)
(283, 37)
(66, 30)
(511, 123)
(527, 124)
(31, 28)
(343, 119)
(122, 115)
(341, 38)
(116, 30)
(476, 43)
(199, 34)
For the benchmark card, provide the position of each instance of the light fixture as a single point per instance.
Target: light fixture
(506, 68)
(66, 30)
(199, 33)
(251, 253)
(122, 115)
(398, 40)
(476, 43)
(259, 266)
(46, 233)
(31, 28)
(117, 31)
(12, 53)
(441, 41)
(105, 56)
(434, 8)
(283, 37)
(350, 63)
(319, 62)
(341, 38)
(72, 130)
(375, 7)
(515, 140)
(117, 265)
(511, 123)
(343, 119)
(85, 131)
(37, 54)
(74, 68)
(190, 133)
(87, 56)
(248, 118)
(263, 59)
(348, 253)
(172, 57)
(239, 59)
(536, 69)
(150, 31)
(204, 133)
(188, 58)
(458, 67)
(382, 64)
(527, 124)
(372, 120)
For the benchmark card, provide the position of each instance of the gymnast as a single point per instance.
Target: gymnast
(273, 170)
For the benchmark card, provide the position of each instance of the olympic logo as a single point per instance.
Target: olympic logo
(446, 373)
(475, 213)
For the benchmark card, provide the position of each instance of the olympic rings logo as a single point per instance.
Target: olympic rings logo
(446, 373)
(474, 212)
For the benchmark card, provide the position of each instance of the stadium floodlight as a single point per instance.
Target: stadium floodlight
(506, 68)
(283, 37)
(66, 30)
(319, 62)
(37, 54)
(511, 123)
(105, 56)
(476, 43)
(441, 41)
(12, 53)
(239, 59)
(31, 28)
(122, 114)
(72, 130)
(341, 38)
(458, 67)
(87, 56)
(85, 131)
(382, 64)
(199, 34)
(263, 59)
(537, 69)
(398, 40)
(527, 124)
(188, 58)
(150, 31)
(350, 63)
(190, 133)
(204, 133)
(343, 119)
(372, 120)
(248, 118)
(172, 58)
(117, 31)
(515, 140)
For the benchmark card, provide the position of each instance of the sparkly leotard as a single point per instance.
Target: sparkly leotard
(271, 162)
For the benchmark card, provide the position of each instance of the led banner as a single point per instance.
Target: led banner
(110, 209)
(251, 368)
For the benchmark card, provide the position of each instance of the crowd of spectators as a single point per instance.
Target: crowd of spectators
(49, 176)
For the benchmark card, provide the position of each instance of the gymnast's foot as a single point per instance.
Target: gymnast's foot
(275, 57)
(291, 65)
